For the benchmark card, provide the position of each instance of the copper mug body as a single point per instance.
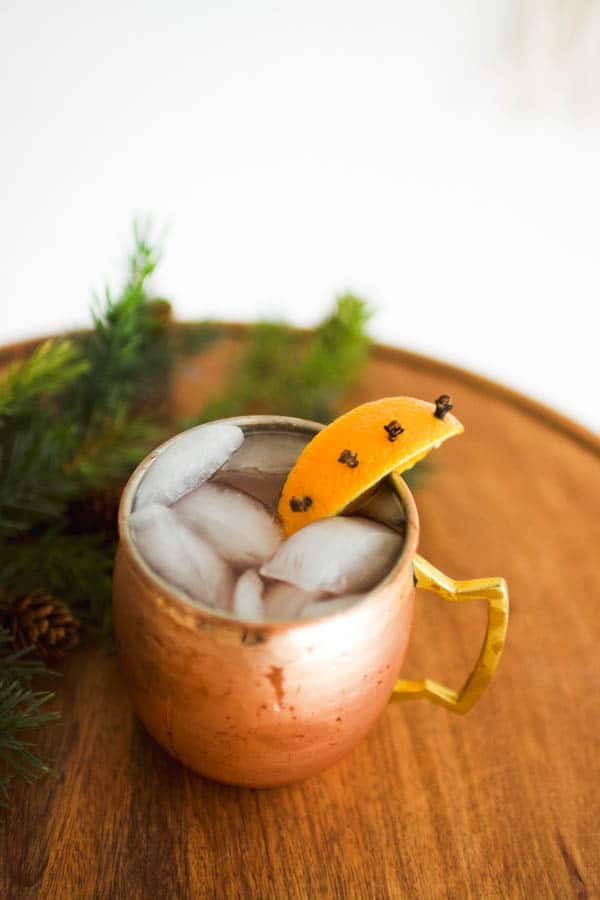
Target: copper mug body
(259, 704)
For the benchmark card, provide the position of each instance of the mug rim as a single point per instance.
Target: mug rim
(221, 618)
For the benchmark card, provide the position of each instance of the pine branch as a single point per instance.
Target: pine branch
(20, 710)
(284, 372)
(334, 360)
(29, 385)
(116, 348)
(261, 382)
(15, 666)
(66, 422)
(76, 568)
(34, 486)
(37, 437)
(110, 455)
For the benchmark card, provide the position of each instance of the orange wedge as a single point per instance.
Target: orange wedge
(357, 450)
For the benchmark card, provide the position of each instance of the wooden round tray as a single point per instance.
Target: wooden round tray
(501, 804)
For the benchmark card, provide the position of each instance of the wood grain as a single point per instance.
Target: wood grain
(504, 803)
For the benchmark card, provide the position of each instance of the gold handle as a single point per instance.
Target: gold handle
(493, 590)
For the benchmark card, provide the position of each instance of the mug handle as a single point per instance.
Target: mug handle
(495, 592)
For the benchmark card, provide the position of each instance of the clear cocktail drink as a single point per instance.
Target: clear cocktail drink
(212, 530)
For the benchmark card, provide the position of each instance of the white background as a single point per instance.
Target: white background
(439, 159)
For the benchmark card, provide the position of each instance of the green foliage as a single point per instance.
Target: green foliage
(67, 424)
(334, 359)
(34, 486)
(29, 386)
(20, 711)
(16, 666)
(75, 567)
(287, 372)
(107, 454)
(261, 382)
(36, 437)
(117, 348)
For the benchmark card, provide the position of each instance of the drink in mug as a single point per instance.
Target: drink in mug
(221, 542)
(257, 659)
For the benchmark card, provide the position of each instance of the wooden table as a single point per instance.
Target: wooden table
(504, 803)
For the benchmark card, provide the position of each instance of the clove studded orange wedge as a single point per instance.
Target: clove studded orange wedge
(357, 450)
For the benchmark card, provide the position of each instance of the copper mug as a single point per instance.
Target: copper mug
(269, 703)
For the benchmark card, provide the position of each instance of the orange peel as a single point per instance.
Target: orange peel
(357, 450)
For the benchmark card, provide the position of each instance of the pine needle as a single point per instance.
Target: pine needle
(285, 372)
(116, 348)
(77, 568)
(29, 385)
(34, 487)
(110, 455)
(20, 710)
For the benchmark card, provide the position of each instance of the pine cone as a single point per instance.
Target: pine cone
(39, 620)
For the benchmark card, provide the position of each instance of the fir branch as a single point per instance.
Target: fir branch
(20, 710)
(134, 346)
(262, 381)
(116, 348)
(45, 465)
(34, 486)
(29, 385)
(334, 359)
(66, 425)
(14, 666)
(285, 372)
(76, 568)
(110, 455)
(37, 437)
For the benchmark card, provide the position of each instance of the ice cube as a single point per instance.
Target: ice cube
(239, 527)
(247, 596)
(286, 601)
(326, 607)
(181, 557)
(186, 462)
(339, 555)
